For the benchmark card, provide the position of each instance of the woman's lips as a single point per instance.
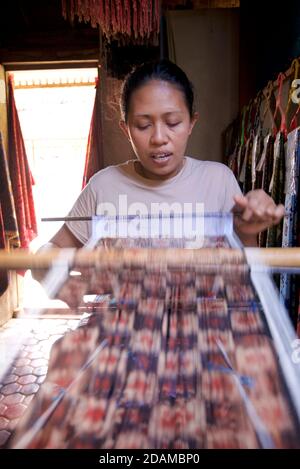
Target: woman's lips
(161, 158)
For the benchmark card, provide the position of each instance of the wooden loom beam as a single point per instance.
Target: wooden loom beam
(102, 257)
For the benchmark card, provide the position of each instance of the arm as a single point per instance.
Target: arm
(64, 238)
(253, 213)
(73, 234)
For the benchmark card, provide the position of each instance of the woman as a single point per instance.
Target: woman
(158, 117)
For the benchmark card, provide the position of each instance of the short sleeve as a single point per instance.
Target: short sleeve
(85, 206)
(232, 188)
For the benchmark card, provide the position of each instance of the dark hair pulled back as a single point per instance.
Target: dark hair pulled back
(162, 70)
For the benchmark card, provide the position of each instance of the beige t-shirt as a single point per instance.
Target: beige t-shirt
(116, 189)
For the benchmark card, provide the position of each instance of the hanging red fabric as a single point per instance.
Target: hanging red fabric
(20, 174)
(7, 202)
(3, 274)
(94, 160)
(283, 127)
(9, 235)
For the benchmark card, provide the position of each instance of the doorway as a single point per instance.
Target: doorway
(55, 109)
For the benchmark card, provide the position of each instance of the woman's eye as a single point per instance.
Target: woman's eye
(172, 124)
(143, 127)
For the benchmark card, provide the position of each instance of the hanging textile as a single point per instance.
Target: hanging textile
(249, 148)
(264, 174)
(268, 160)
(7, 202)
(94, 160)
(130, 21)
(258, 161)
(289, 238)
(9, 236)
(298, 322)
(276, 188)
(297, 279)
(245, 175)
(3, 274)
(21, 178)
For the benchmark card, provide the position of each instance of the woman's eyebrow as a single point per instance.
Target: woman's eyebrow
(148, 116)
(172, 112)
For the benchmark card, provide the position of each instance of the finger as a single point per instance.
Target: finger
(257, 207)
(280, 210)
(240, 199)
(276, 212)
(263, 206)
(270, 215)
(266, 213)
(247, 214)
(279, 213)
(271, 210)
(253, 212)
(245, 210)
(240, 202)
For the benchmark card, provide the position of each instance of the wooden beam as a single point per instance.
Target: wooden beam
(103, 257)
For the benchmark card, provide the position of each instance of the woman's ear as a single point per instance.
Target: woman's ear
(193, 121)
(124, 129)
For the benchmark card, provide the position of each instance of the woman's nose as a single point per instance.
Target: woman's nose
(159, 135)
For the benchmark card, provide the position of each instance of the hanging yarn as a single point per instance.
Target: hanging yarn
(129, 20)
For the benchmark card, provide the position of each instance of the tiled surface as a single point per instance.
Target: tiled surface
(25, 345)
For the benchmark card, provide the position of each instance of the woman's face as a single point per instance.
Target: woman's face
(158, 126)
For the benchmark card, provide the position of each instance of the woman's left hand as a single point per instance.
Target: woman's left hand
(253, 213)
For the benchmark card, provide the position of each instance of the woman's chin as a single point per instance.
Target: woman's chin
(161, 173)
(161, 169)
